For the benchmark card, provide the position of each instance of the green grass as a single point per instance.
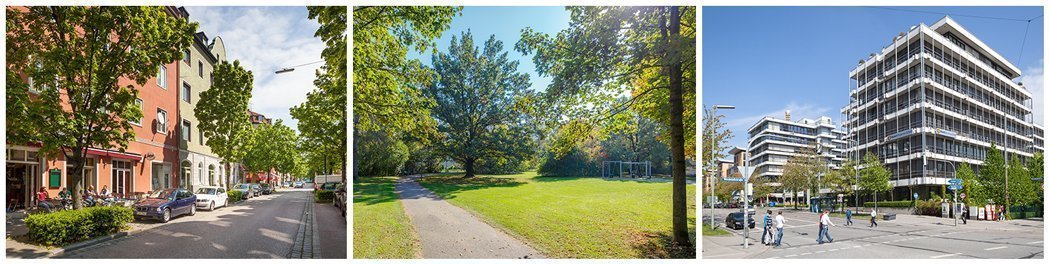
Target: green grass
(569, 217)
(716, 232)
(380, 227)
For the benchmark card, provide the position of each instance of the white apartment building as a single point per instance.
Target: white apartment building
(773, 141)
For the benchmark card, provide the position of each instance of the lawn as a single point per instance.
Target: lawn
(572, 217)
(380, 227)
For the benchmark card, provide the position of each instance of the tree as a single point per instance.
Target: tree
(992, 176)
(795, 176)
(76, 58)
(971, 186)
(387, 85)
(475, 99)
(874, 176)
(222, 111)
(715, 139)
(608, 51)
(1022, 191)
(273, 148)
(322, 117)
(843, 180)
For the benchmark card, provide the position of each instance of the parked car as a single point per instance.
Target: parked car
(735, 221)
(256, 189)
(245, 190)
(298, 184)
(340, 198)
(330, 186)
(166, 204)
(750, 210)
(266, 188)
(211, 197)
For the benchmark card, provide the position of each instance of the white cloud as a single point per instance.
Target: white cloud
(266, 39)
(797, 112)
(1033, 80)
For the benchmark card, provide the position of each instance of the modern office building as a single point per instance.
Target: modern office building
(934, 98)
(199, 165)
(773, 141)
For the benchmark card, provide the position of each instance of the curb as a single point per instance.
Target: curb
(94, 241)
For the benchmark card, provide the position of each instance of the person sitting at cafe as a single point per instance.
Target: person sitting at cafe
(65, 196)
(42, 199)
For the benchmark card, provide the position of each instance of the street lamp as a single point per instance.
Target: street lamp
(954, 170)
(292, 68)
(713, 148)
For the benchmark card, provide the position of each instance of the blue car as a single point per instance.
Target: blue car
(165, 204)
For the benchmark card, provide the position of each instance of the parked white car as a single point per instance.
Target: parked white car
(211, 197)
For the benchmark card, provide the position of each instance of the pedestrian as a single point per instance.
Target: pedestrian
(767, 228)
(848, 217)
(874, 218)
(779, 228)
(965, 215)
(41, 199)
(1001, 213)
(825, 225)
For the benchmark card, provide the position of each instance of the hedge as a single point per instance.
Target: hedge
(897, 204)
(324, 196)
(234, 196)
(71, 226)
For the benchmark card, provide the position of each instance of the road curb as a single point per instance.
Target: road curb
(94, 241)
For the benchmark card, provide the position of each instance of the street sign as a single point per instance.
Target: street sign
(954, 187)
(916, 196)
(955, 181)
(733, 179)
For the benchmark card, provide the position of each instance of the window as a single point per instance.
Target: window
(162, 77)
(162, 121)
(186, 131)
(121, 176)
(138, 122)
(186, 92)
(185, 56)
(200, 69)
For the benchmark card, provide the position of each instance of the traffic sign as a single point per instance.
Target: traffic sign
(954, 187)
(733, 179)
(955, 181)
(915, 196)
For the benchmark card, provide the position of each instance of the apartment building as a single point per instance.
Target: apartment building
(199, 165)
(145, 165)
(774, 141)
(934, 98)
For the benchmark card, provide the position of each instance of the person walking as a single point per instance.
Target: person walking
(767, 228)
(779, 228)
(874, 218)
(825, 225)
(965, 215)
(848, 217)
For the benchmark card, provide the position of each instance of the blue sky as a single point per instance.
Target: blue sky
(266, 39)
(506, 24)
(765, 60)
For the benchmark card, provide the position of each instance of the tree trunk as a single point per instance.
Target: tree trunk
(469, 167)
(677, 134)
(77, 176)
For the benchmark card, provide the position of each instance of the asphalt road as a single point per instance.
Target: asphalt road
(909, 237)
(262, 227)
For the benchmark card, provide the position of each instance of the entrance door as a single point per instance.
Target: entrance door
(18, 189)
(122, 176)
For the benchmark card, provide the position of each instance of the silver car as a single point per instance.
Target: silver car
(245, 190)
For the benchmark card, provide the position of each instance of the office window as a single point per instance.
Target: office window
(200, 69)
(186, 131)
(138, 102)
(186, 92)
(162, 77)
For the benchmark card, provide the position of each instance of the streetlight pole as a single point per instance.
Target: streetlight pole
(746, 199)
(713, 149)
(954, 170)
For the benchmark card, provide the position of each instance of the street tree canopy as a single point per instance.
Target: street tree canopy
(874, 176)
(73, 59)
(222, 111)
(272, 147)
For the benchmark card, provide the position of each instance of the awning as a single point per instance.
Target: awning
(114, 154)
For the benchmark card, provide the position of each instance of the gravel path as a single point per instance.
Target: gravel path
(447, 231)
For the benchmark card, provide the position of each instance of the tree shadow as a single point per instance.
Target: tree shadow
(447, 186)
(374, 190)
(660, 245)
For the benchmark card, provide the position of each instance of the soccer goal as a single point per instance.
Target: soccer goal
(626, 169)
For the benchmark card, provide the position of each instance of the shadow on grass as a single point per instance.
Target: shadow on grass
(661, 246)
(447, 186)
(374, 190)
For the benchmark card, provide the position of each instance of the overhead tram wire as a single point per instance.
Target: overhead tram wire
(1024, 42)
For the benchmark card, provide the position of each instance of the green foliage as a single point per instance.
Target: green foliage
(70, 226)
(842, 180)
(272, 147)
(715, 139)
(323, 196)
(971, 186)
(476, 95)
(1022, 190)
(376, 153)
(633, 137)
(234, 196)
(387, 85)
(874, 176)
(222, 111)
(574, 163)
(322, 117)
(76, 74)
(800, 172)
(992, 175)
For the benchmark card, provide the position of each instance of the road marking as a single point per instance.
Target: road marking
(1035, 242)
(806, 253)
(790, 256)
(995, 248)
(946, 255)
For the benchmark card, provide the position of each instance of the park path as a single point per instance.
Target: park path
(447, 231)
